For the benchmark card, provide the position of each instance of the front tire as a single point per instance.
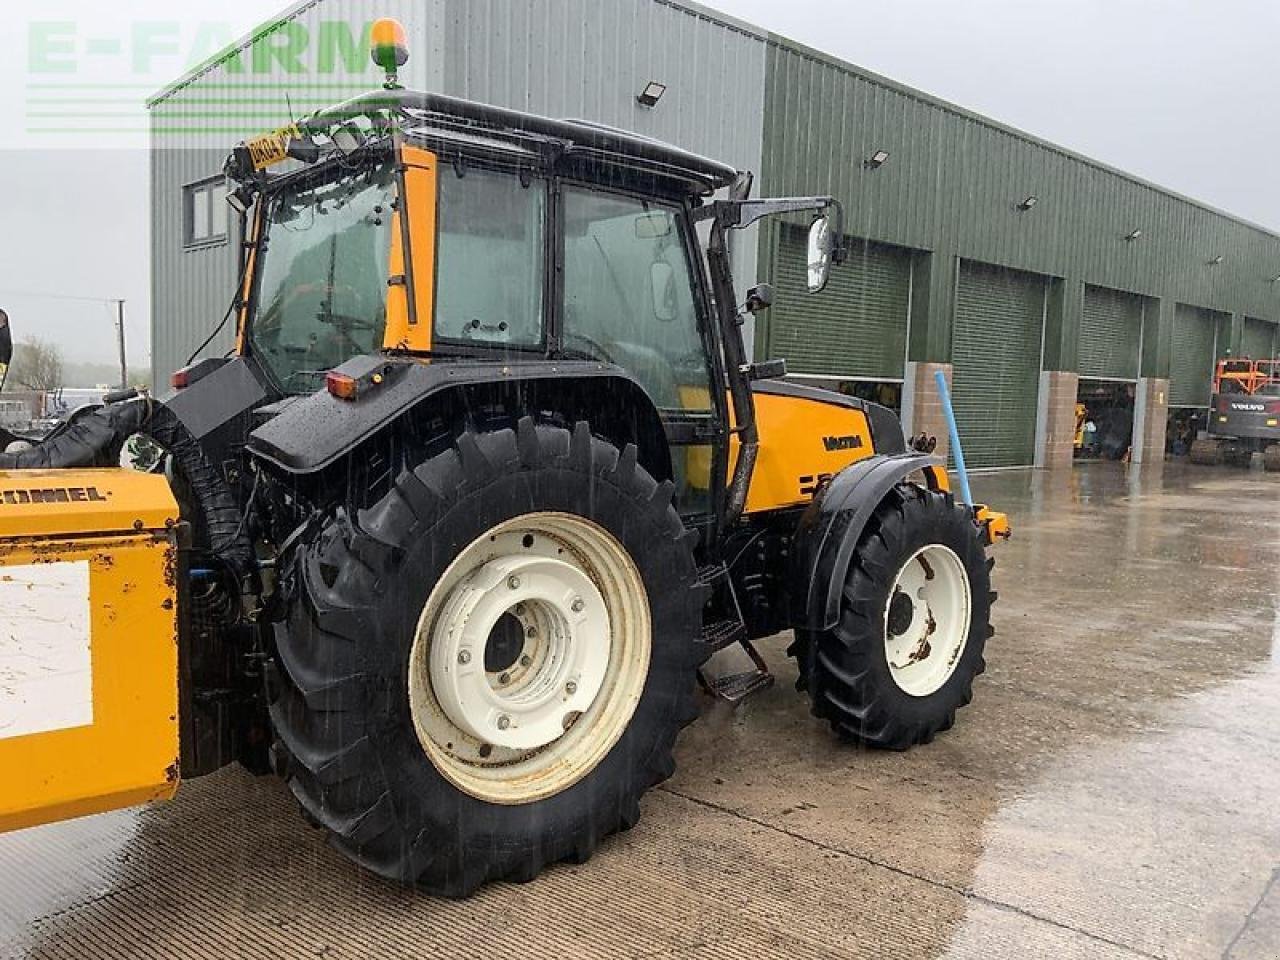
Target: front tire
(444, 750)
(914, 621)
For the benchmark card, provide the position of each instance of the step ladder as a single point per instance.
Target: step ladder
(735, 669)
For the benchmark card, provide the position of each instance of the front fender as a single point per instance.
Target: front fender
(831, 527)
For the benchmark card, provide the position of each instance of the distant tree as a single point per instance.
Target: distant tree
(37, 365)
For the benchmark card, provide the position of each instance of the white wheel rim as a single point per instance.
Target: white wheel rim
(529, 658)
(926, 620)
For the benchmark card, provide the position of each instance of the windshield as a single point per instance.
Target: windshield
(323, 276)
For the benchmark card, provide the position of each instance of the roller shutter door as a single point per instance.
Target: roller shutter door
(996, 347)
(1110, 334)
(1259, 341)
(857, 326)
(1191, 357)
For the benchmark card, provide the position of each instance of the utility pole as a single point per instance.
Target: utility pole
(124, 365)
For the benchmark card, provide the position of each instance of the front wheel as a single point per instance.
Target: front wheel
(914, 620)
(485, 670)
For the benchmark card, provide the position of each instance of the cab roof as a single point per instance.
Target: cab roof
(433, 116)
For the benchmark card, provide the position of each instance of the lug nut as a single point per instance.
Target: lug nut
(504, 722)
(531, 632)
(577, 605)
(526, 661)
(519, 609)
(513, 583)
(504, 679)
(571, 688)
(464, 656)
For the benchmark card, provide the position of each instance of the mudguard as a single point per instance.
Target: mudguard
(313, 432)
(830, 528)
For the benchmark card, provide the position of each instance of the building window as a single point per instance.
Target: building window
(205, 212)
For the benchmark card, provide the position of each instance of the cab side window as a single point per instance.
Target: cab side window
(490, 259)
(629, 296)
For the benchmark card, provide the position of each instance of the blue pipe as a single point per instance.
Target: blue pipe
(945, 394)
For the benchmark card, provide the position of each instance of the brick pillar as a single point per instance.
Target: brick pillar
(921, 405)
(1150, 420)
(1056, 428)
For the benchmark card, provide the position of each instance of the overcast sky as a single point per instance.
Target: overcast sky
(1177, 91)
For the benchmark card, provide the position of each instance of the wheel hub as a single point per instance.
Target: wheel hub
(927, 620)
(520, 650)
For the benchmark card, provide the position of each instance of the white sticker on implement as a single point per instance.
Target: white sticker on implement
(46, 675)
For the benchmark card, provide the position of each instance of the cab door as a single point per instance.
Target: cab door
(631, 297)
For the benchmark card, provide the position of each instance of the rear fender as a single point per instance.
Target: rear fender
(831, 527)
(314, 433)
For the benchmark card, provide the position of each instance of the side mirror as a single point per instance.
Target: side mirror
(822, 244)
(662, 280)
(6, 340)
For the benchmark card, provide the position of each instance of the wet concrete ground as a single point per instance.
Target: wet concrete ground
(1113, 791)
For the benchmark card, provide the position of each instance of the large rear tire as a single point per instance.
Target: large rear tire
(483, 672)
(914, 621)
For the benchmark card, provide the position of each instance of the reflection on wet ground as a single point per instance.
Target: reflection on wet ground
(1112, 792)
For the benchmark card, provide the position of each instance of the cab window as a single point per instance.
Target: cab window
(629, 296)
(323, 276)
(490, 259)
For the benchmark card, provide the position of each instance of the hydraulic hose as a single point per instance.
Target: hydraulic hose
(93, 438)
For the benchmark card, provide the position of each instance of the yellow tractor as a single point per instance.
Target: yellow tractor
(485, 486)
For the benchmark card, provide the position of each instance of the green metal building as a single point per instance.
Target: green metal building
(1014, 266)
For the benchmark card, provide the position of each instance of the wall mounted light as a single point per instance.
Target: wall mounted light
(1216, 260)
(1135, 235)
(1028, 203)
(651, 94)
(876, 160)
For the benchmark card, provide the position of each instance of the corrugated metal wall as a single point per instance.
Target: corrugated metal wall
(953, 183)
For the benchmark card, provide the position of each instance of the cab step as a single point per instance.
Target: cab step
(735, 673)
(735, 669)
(722, 633)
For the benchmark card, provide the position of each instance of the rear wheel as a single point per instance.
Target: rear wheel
(1271, 458)
(484, 672)
(914, 620)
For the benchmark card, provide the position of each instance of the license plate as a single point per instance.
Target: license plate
(271, 148)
